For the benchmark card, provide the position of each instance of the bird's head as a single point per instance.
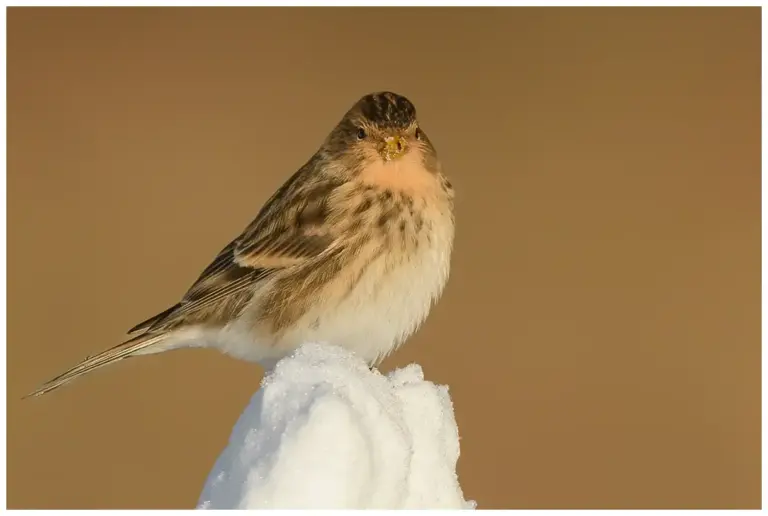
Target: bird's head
(381, 127)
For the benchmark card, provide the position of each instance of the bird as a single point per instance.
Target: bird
(353, 250)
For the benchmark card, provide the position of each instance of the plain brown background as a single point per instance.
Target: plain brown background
(601, 329)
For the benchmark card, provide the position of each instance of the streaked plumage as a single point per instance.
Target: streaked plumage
(352, 250)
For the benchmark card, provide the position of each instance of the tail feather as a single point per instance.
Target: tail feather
(152, 321)
(124, 350)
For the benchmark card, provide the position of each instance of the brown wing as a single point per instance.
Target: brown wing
(290, 229)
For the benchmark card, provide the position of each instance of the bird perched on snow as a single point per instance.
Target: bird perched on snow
(352, 250)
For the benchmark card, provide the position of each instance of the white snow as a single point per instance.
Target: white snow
(325, 432)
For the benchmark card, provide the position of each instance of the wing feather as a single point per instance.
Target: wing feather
(292, 228)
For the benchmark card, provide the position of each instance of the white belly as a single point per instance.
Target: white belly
(383, 310)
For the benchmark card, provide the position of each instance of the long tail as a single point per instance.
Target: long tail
(124, 350)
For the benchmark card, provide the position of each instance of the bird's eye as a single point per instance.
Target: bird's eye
(418, 134)
(361, 134)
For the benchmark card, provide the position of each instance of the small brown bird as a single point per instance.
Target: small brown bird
(352, 250)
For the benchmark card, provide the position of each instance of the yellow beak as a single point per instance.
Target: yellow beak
(394, 147)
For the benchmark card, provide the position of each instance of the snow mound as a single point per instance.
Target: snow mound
(325, 432)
